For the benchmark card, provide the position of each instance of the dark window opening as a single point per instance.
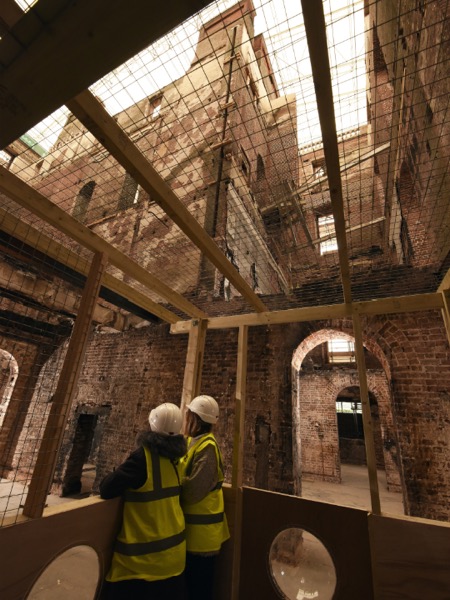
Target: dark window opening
(155, 107)
(407, 248)
(405, 186)
(6, 158)
(349, 418)
(80, 474)
(260, 169)
(82, 202)
(376, 168)
(379, 63)
(319, 168)
(254, 276)
(129, 193)
(245, 164)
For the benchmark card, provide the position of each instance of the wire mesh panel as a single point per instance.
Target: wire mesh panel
(202, 168)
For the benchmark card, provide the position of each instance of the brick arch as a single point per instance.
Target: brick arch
(387, 336)
(10, 372)
(306, 423)
(323, 335)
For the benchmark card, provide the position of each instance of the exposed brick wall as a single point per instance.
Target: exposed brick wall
(320, 450)
(129, 373)
(405, 44)
(419, 354)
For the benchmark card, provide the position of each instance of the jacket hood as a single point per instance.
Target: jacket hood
(170, 446)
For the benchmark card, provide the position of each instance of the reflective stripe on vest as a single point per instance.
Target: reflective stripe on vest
(149, 547)
(151, 544)
(206, 523)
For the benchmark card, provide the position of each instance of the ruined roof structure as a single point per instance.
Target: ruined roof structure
(249, 199)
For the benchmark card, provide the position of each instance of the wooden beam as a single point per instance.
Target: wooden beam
(42, 54)
(239, 413)
(369, 441)
(446, 311)
(29, 235)
(400, 304)
(48, 452)
(318, 51)
(97, 120)
(445, 283)
(238, 455)
(83, 529)
(194, 362)
(292, 315)
(49, 212)
(409, 557)
(10, 13)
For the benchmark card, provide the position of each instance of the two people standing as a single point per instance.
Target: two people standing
(159, 525)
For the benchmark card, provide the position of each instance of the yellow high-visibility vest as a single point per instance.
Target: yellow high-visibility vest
(206, 521)
(151, 544)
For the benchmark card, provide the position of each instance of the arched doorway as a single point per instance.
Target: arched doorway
(350, 427)
(324, 372)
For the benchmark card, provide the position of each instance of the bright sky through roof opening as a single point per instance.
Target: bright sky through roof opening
(281, 23)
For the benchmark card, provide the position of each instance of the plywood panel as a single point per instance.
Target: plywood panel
(342, 530)
(27, 548)
(411, 558)
(224, 565)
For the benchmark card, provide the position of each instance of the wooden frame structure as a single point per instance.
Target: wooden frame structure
(114, 139)
(38, 103)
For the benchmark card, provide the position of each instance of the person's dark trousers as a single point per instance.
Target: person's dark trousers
(200, 576)
(173, 588)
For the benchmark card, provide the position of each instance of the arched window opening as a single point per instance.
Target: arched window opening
(82, 202)
(8, 377)
(327, 234)
(129, 194)
(260, 169)
(405, 186)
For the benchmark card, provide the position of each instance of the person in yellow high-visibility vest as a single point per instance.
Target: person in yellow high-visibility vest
(202, 497)
(150, 550)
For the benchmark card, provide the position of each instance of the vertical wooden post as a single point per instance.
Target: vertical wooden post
(238, 454)
(446, 311)
(367, 417)
(46, 461)
(194, 361)
(239, 413)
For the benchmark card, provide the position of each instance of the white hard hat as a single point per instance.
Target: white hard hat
(166, 418)
(206, 408)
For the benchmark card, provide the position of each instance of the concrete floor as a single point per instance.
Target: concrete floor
(354, 491)
(12, 498)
